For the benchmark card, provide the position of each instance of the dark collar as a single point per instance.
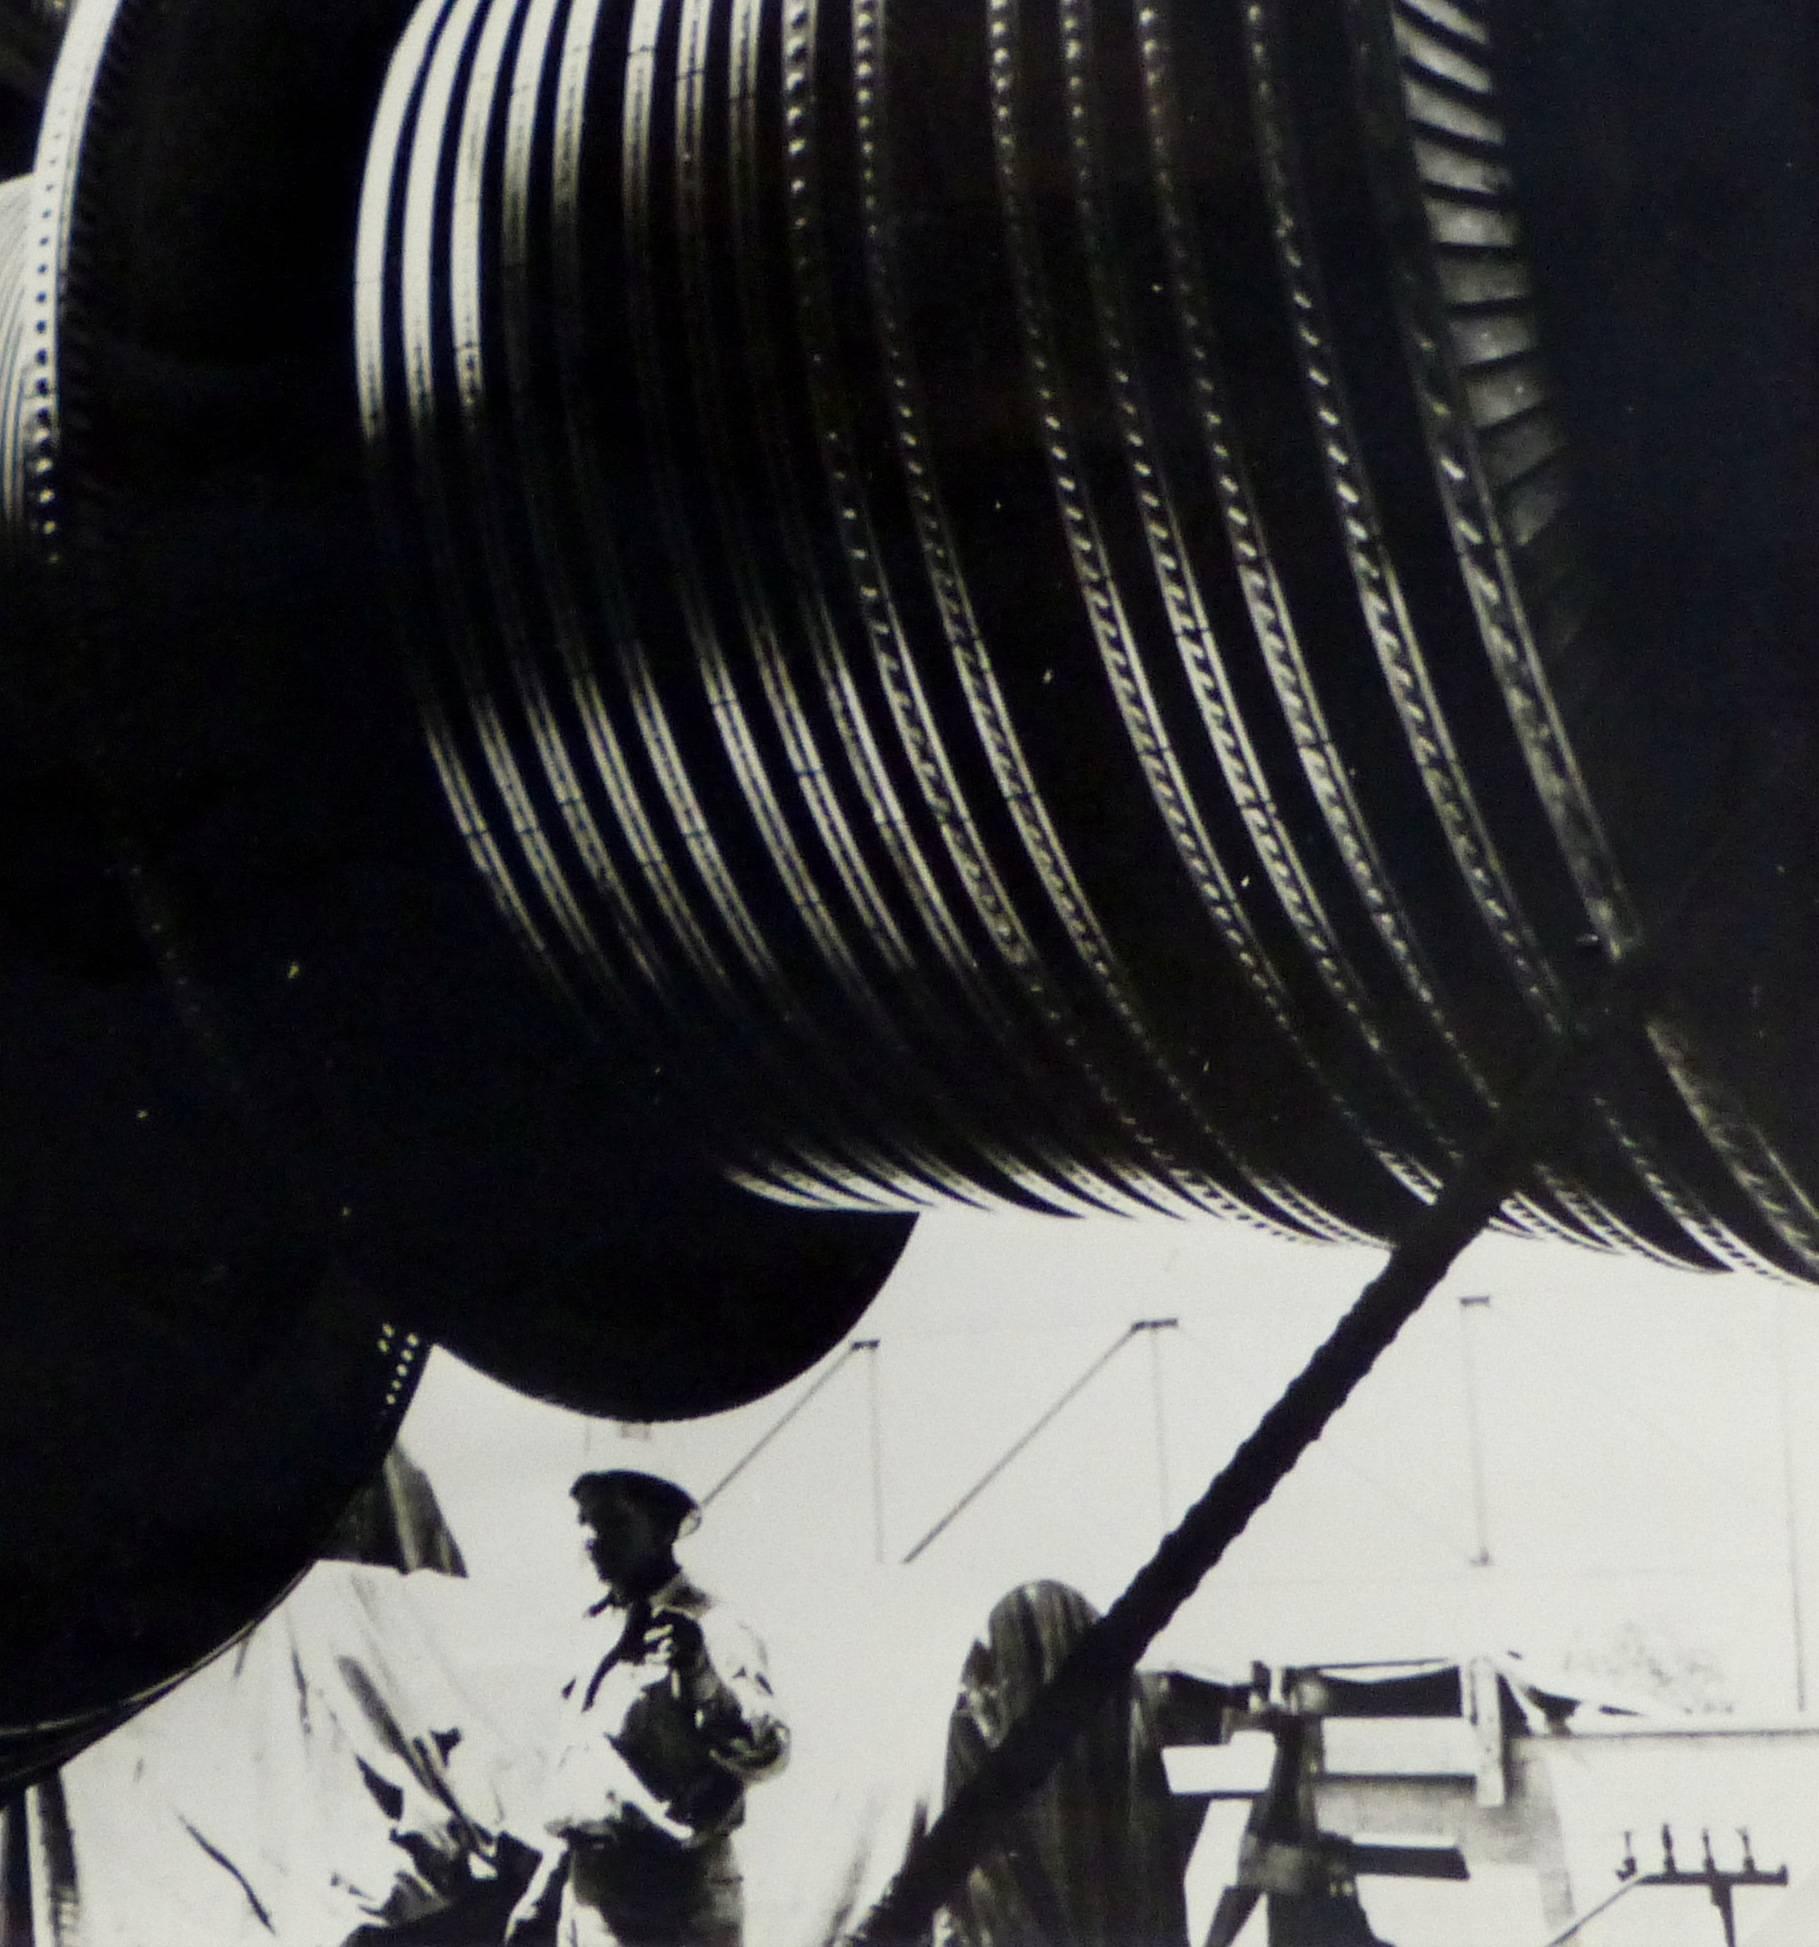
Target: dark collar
(656, 1599)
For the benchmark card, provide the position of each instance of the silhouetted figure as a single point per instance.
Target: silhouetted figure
(670, 1716)
(1091, 1860)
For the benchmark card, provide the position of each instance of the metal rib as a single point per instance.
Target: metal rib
(1293, 867)
(915, 720)
(1273, 626)
(674, 721)
(1017, 980)
(966, 639)
(729, 98)
(829, 619)
(1403, 69)
(1387, 606)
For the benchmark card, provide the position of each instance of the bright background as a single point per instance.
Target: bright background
(1639, 1470)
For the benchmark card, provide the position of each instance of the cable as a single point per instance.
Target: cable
(777, 1426)
(1017, 1446)
(1416, 1513)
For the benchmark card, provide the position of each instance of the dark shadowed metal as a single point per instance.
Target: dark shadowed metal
(727, 620)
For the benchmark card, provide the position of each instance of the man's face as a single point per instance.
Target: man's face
(624, 1542)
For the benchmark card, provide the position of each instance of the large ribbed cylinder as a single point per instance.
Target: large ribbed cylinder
(1007, 585)
(1101, 605)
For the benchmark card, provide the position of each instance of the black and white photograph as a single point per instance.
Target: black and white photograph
(903, 912)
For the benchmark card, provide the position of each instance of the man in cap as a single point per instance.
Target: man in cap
(668, 1718)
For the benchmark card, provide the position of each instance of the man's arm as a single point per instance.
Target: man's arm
(722, 1666)
(596, 1789)
(592, 1788)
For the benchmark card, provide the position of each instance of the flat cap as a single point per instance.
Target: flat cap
(626, 1486)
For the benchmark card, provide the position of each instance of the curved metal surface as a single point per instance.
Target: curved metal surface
(1034, 605)
(1157, 463)
(286, 1080)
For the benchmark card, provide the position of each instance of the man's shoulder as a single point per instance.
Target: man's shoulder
(721, 1624)
(685, 1595)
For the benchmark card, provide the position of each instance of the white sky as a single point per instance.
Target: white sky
(1630, 1434)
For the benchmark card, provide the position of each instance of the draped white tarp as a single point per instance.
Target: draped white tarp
(356, 1758)
(329, 1770)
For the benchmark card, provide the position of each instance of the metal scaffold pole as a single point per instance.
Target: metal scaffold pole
(1472, 1306)
(1155, 1327)
(873, 1350)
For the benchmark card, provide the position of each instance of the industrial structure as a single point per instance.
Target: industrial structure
(643, 637)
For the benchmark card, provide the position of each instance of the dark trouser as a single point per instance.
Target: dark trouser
(624, 1894)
